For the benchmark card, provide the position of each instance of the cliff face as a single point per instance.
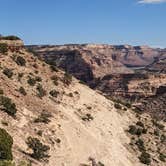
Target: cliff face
(85, 62)
(124, 70)
(101, 59)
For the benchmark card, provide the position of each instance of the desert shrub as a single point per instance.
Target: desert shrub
(100, 163)
(128, 105)
(6, 163)
(10, 37)
(87, 117)
(54, 93)
(157, 132)
(22, 91)
(40, 151)
(8, 72)
(163, 138)
(55, 80)
(36, 71)
(70, 95)
(38, 79)
(1, 92)
(24, 163)
(39, 132)
(117, 106)
(58, 141)
(136, 130)
(82, 82)
(137, 110)
(41, 91)
(8, 106)
(5, 123)
(162, 157)
(20, 61)
(132, 129)
(35, 65)
(3, 48)
(53, 68)
(6, 142)
(44, 117)
(31, 81)
(139, 123)
(140, 144)
(20, 75)
(145, 158)
(158, 125)
(125, 109)
(67, 79)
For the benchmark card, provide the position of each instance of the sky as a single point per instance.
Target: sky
(135, 22)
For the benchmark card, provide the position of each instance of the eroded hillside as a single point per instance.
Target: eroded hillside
(54, 120)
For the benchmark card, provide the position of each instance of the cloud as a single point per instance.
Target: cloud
(151, 1)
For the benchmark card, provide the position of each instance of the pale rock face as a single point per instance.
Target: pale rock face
(15, 43)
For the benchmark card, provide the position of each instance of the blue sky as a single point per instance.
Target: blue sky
(85, 21)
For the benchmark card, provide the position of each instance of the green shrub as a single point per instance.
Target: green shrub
(24, 163)
(140, 144)
(22, 91)
(8, 106)
(31, 81)
(5, 123)
(41, 91)
(20, 61)
(55, 80)
(10, 37)
(70, 95)
(136, 130)
(40, 133)
(40, 151)
(163, 138)
(1, 92)
(145, 158)
(132, 129)
(38, 79)
(157, 132)
(128, 105)
(6, 163)
(100, 163)
(157, 124)
(6, 142)
(117, 106)
(20, 75)
(87, 117)
(8, 72)
(82, 82)
(44, 117)
(139, 123)
(162, 157)
(3, 48)
(54, 93)
(53, 68)
(67, 79)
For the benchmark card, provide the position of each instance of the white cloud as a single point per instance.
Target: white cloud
(151, 1)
